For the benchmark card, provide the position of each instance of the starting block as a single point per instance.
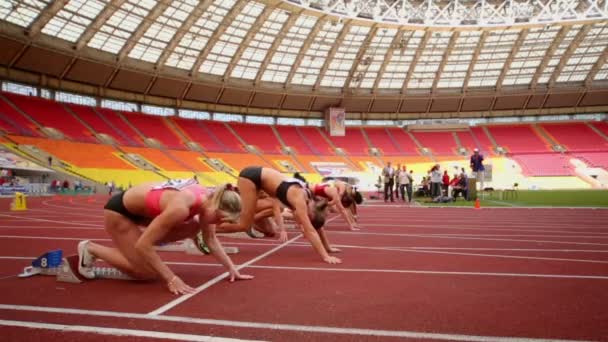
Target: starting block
(66, 268)
(46, 264)
(19, 203)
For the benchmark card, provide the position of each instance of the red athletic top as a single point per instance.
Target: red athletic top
(319, 190)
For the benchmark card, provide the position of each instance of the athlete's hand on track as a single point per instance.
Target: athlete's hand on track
(283, 236)
(178, 287)
(237, 276)
(332, 260)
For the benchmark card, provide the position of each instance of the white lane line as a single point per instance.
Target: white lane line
(53, 227)
(409, 250)
(467, 238)
(31, 237)
(116, 331)
(217, 279)
(395, 271)
(53, 221)
(282, 327)
(87, 207)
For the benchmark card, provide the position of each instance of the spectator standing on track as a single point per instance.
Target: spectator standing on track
(389, 180)
(410, 185)
(477, 167)
(446, 182)
(397, 170)
(435, 181)
(404, 180)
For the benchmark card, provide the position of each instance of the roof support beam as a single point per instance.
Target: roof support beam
(360, 56)
(219, 31)
(596, 67)
(444, 59)
(160, 7)
(311, 38)
(516, 46)
(332, 53)
(398, 42)
(568, 53)
(253, 30)
(419, 51)
(550, 52)
(196, 13)
(293, 17)
(44, 17)
(474, 58)
(98, 22)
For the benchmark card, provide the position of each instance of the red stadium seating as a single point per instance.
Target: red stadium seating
(316, 139)
(119, 125)
(154, 127)
(544, 164)
(352, 142)
(224, 136)
(88, 115)
(294, 139)
(199, 133)
(260, 136)
(403, 140)
(52, 114)
(13, 122)
(467, 140)
(594, 159)
(518, 138)
(380, 138)
(576, 136)
(485, 144)
(602, 126)
(440, 143)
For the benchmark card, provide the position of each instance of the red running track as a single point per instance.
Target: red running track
(411, 273)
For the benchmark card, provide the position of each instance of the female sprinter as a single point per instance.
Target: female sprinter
(292, 193)
(288, 215)
(339, 195)
(167, 210)
(268, 219)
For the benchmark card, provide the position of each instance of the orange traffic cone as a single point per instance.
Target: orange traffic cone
(477, 204)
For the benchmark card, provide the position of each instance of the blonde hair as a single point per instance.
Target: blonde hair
(319, 214)
(226, 199)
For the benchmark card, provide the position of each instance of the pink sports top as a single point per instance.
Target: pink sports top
(153, 196)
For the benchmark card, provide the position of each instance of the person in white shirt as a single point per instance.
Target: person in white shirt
(404, 181)
(436, 181)
(389, 180)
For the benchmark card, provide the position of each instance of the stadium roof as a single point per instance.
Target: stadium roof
(372, 56)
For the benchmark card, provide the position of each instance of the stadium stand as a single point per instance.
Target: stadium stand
(353, 142)
(260, 136)
(155, 127)
(52, 114)
(294, 139)
(440, 143)
(576, 136)
(380, 139)
(544, 164)
(518, 138)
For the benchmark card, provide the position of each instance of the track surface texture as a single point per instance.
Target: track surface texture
(412, 273)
